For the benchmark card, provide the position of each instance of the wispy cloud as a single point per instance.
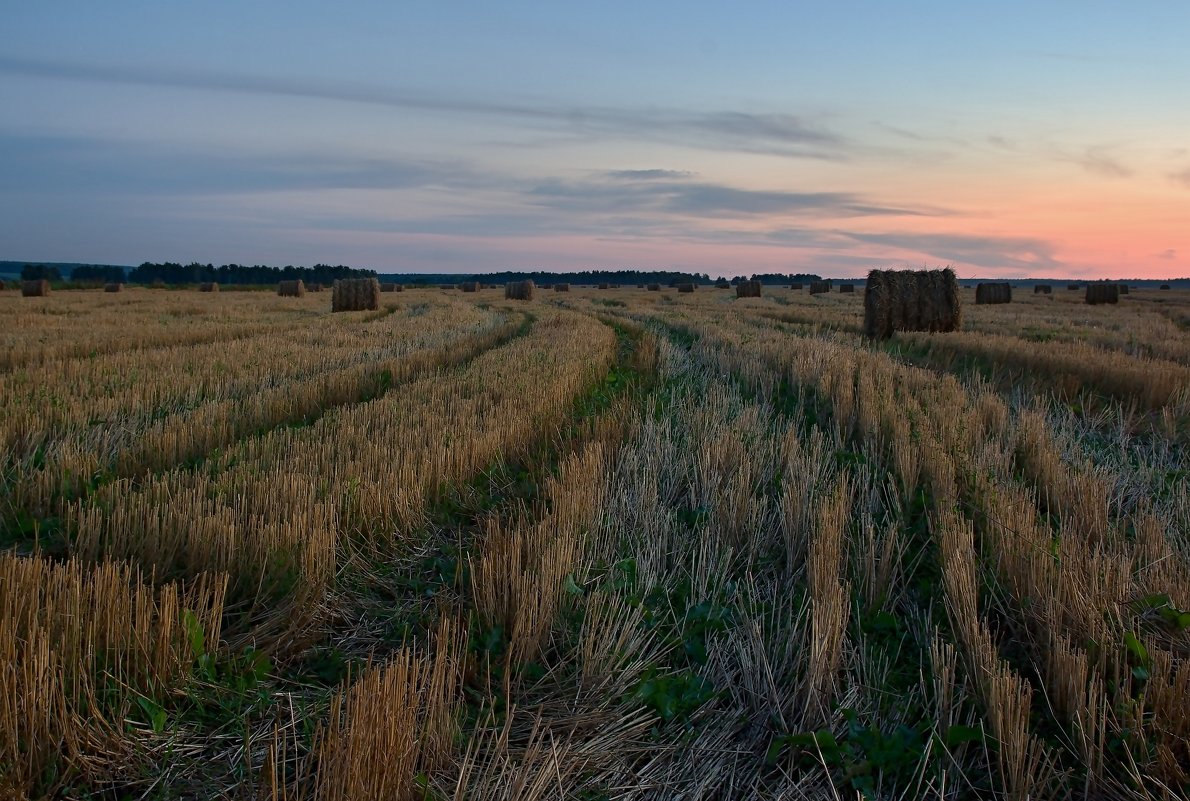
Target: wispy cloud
(781, 134)
(648, 175)
(996, 252)
(1100, 161)
(1181, 177)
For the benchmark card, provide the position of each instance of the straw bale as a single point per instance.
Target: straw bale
(291, 289)
(561, 287)
(1164, 286)
(1123, 289)
(209, 286)
(388, 287)
(819, 287)
(35, 289)
(911, 300)
(1042, 289)
(113, 287)
(1102, 292)
(518, 290)
(355, 294)
(999, 292)
(747, 289)
(685, 286)
(469, 286)
(605, 286)
(846, 287)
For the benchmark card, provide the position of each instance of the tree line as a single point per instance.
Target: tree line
(195, 273)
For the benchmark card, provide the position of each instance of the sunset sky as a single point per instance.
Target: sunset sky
(1007, 139)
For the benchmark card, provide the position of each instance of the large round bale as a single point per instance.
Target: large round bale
(999, 292)
(820, 287)
(795, 287)
(653, 287)
(388, 286)
(1042, 289)
(208, 286)
(1164, 286)
(605, 286)
(115, 287)
(561, 287)
(846, 288)
(1123, 289)
(518, 290)
(355, 294)
(1102, 292)
(35, 289)
(314, 287)
(2, 287)
(747, 289)
(911, 300)
(686, 286)
(469, 286)
(291, 289)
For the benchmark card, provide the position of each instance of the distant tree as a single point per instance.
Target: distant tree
(37, 272)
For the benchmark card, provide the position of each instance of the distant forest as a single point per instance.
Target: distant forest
(174, 273)
(627, 277)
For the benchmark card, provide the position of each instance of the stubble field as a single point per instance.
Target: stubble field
(614, 544)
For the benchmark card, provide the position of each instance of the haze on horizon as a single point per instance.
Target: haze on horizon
(1008, 139)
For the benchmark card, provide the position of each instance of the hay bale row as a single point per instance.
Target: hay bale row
(561, 287)
(911, 300)
(470, 286)
(1042, 289)
(113, 287)
(820, 287)
(686, 287)
(653, 287)
(988, 293)
(209, 286)
(291, 289)
(355, 294)
(518, 290)
(35, 289)
(846, 288)
(747, 289)
(1102, 292)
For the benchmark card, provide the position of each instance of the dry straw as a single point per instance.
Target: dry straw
(911, 300)
(355, 294)
(518, 290)
(209, 286)
(747, 289)
(989, 293)
(113, 287)
(291, 289)
(1103, 292)
(35, 289)
(820, 287)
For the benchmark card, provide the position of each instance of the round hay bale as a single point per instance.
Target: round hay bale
(653, 287)
(209, 286)
(999, 292)
(795, 287)
(747, 289)
(35, 289)
(1123, 289)
(1164, 286)
(561, 287)
(686, 286)
(113, 287)
(388, 286)
(469, 286)
(291, 289)
(1042, 289)
(518, 290)
(846, 288)
(1102, 292)
(355, 294)
(820, 287)
(605, 286)
(911, 300)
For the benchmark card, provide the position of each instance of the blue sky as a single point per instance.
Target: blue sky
(1005, 139)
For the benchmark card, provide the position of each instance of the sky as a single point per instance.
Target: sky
(1007, 139)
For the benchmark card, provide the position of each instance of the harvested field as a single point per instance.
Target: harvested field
(633, 546)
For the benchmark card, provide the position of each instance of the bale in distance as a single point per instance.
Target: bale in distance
(686, 286)
(158, 284)
(388, 286)
(747, 289)
(1102, 292)
(846, 288)
(987, 293)
(469, 286)
(35, 289)
(911, 300)
(114, 287)
(653, 287)
(1042, 289)
(1164, 286)
(2, 287)
(355, 294)
(820, 287)
(518, 290)
(314, 287)
(208, 286)
(795, 287)
(1123, 289)
(605, 286)
(561, 287)
(291, 289)
(1072, 287)
(722, 283)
